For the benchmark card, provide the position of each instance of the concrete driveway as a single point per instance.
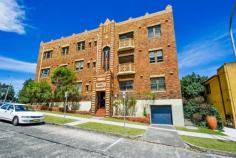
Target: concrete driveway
(57, 141)
(163, 134)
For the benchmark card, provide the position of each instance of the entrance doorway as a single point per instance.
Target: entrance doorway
(101, 100)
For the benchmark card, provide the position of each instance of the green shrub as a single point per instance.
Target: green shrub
(197, 112)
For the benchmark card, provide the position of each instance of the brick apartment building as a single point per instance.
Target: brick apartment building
(137, 55)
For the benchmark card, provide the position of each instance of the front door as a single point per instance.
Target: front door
(101, 99)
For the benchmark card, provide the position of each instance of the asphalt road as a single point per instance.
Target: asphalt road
(40, 141)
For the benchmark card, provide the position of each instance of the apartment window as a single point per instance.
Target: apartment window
(126, 36)
(95, 43)
(81, 46)
(45, 72)
(90, 44)
(87, 87)
(126, 59)
(79, 65)
(151, 57)
(94, 64)
(65, 51)
(154, 31)
(155, 56)
(158, 84)
(47, 54)
(159, 55)
(126, 85)
(88, 65)
(78, 86)
(208, 89)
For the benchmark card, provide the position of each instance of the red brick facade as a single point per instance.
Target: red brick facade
(108, 36)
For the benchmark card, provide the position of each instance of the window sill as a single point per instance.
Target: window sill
(78, 70)
(163, 91)
(43, 77)
(150, 38)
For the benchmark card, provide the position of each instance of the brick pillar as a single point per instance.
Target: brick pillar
(93, 103)
(108, 94)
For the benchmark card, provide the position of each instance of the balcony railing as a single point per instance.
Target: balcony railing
(124, 69)
(126, 44)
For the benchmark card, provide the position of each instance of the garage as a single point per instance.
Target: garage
(161, 114)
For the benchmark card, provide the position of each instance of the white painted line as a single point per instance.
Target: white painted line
(113, 144)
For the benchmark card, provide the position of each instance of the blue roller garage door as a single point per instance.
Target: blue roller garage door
(161, 114)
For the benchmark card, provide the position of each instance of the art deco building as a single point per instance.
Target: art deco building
(137, 55)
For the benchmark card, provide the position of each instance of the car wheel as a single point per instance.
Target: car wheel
(15, 121)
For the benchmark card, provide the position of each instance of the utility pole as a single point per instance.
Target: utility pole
(5, 98)
(230, 28)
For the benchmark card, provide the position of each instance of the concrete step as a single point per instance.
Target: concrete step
(101, 112)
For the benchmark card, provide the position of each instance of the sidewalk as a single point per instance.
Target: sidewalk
(80, 120)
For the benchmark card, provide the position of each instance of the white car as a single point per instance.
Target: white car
(20, 114)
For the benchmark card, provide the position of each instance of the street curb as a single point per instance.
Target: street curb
(211, 151)
(94, 131)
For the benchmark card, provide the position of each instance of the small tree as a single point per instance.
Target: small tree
(34, 92)
(44, 92)
(64, 80)
(3, 91)
(192, 86)
(28, 92)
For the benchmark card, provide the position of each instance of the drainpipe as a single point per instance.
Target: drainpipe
(230, 28)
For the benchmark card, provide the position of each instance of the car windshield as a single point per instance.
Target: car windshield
(20, 108)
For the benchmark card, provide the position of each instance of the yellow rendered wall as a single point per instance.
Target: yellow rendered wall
(215, 96)
(230, 71)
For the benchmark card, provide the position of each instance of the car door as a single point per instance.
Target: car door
(3, 111)
(10, 112)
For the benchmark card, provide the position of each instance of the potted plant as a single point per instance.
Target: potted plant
(212, 122)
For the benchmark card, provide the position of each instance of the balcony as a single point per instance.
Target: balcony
(126, 69)
(126, 44)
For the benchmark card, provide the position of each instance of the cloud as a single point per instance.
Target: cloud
(204, 52)
(17, 83)
(12, 16)
(16, 65)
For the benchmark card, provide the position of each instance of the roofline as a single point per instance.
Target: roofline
(168, 9)
(210, 78)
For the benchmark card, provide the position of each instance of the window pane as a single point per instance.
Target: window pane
(150, 32)
(158, 84)
(45, 72)
(126, 85)
(65, 50)
(79, 65)
(47, 55)
(153, 84)
(152, 57)
(154, 31)
(79, 86)
(81, 45)
(161, 83)
(159, 55)
(157, 30)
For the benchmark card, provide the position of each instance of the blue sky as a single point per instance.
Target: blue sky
(201, 28)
